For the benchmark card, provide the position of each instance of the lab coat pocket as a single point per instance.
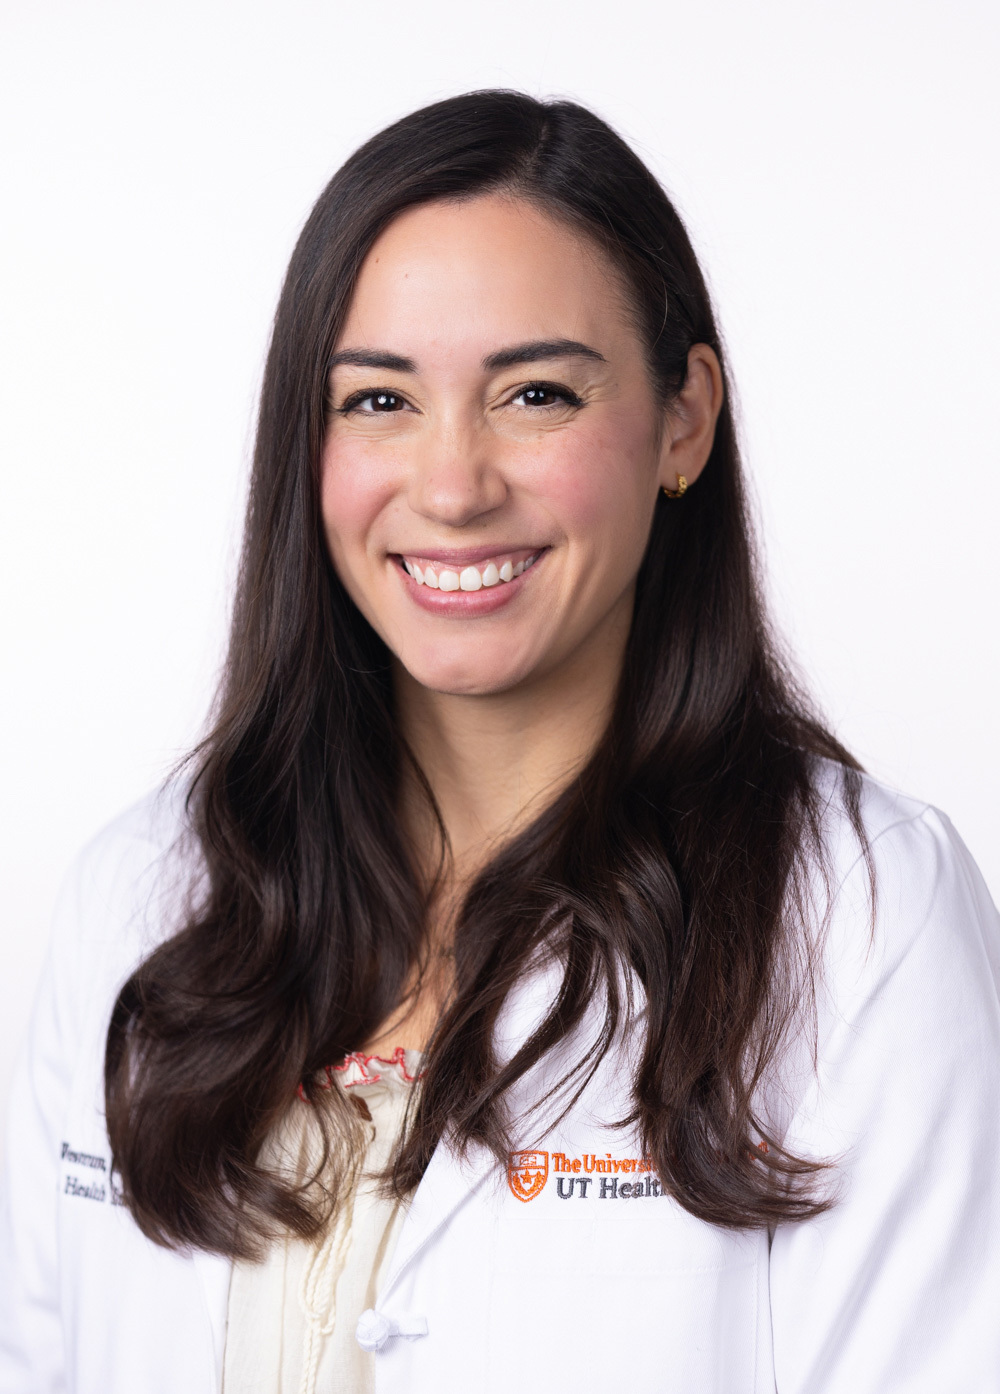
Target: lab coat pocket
(622, 1289)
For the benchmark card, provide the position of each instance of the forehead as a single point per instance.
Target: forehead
(481, 271)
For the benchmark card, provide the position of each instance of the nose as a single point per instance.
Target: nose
(457, 476)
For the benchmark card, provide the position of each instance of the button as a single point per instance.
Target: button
(374, 1329)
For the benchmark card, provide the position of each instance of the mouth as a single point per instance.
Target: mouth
(472, 573)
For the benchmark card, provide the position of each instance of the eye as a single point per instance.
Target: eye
(371, 403)
(544, 394)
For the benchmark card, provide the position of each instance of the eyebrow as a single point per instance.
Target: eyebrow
(533, 351)
(537, 349)
(373, 358)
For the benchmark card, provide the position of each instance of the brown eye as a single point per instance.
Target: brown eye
(545, 394)
(373, 403)
(383, 401)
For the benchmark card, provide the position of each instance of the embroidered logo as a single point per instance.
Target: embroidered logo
(527, 1173)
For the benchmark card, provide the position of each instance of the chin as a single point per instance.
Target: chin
(466, 674)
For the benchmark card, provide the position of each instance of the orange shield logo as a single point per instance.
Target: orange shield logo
(527, 1173)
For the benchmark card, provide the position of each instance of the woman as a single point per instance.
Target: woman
(521, 985)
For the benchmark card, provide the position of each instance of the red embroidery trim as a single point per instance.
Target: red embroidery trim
(363, 1062)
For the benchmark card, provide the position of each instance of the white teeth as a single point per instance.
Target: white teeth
(470, 579)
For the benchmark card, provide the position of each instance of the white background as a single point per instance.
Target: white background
(837, 166)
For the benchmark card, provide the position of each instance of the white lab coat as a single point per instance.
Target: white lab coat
(895, 1289)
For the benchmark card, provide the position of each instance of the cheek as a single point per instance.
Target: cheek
(354, 491)
(600, 482)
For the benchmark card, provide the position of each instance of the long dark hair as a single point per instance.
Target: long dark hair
(679, 855)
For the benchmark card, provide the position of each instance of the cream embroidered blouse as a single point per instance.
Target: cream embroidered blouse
(293, 1316)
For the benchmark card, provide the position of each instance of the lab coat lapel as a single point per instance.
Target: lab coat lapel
(451, 1178)
(448, 1181)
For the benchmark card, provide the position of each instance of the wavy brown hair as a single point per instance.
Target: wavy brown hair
(680, 853)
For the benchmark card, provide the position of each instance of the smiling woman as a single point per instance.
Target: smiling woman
(504, 434)
(516, 870)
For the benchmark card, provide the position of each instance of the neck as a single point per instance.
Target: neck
(495, 761)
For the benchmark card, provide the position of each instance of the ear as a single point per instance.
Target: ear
(689, 427)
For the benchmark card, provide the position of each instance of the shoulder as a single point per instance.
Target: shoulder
(908, 937)
(133, 854)
(152, 824)
(911, 856)
(887, 815)
(123, 893)
(902, 973)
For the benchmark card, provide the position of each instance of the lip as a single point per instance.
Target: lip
(468, 556)
(465, 604)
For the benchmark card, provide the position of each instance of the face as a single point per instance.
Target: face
(494, 447)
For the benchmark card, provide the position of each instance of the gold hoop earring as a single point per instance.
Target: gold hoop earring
(681, 488)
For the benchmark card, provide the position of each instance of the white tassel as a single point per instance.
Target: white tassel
(318, 1293)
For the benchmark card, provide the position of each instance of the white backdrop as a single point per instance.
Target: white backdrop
(836, 164)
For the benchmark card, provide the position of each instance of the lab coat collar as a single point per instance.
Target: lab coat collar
(447, 1183)
(452, 1176)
